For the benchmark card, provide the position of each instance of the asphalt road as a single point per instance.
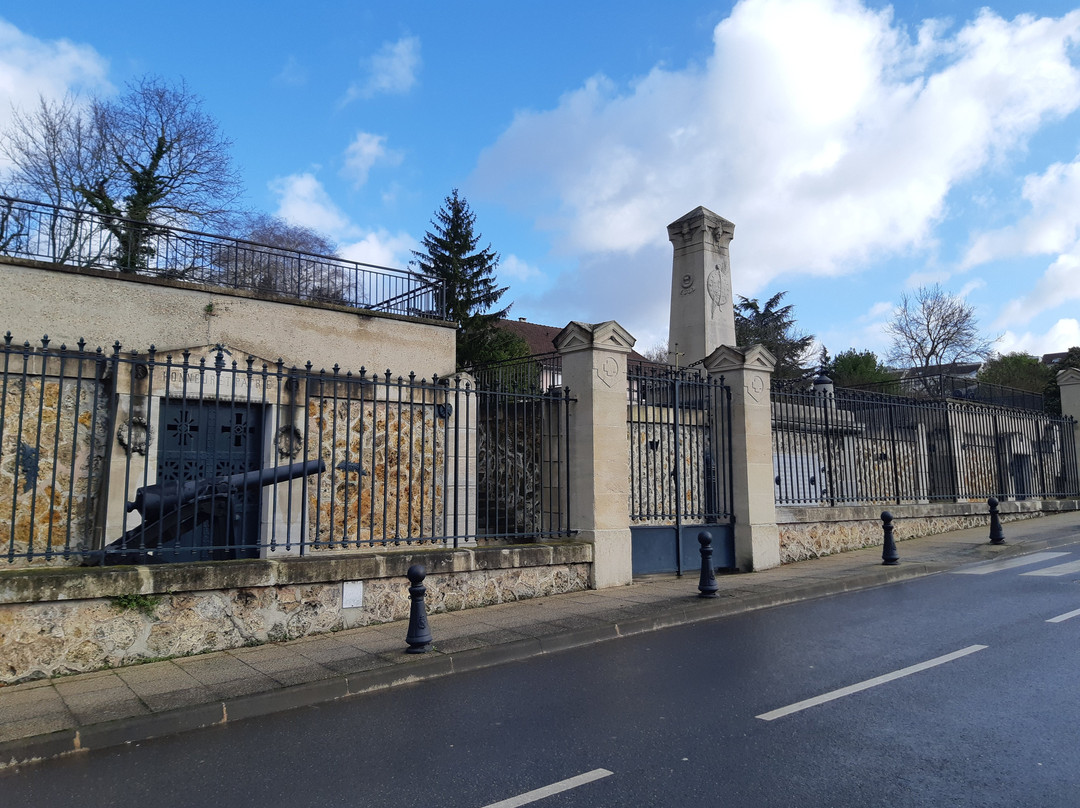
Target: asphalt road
(950, 690)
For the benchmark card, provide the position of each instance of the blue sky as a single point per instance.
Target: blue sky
(861, 150)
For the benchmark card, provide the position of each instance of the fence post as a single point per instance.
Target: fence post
(748, 372)
(825, 397)
(461, 423)
(594, 368)
(1069, 384)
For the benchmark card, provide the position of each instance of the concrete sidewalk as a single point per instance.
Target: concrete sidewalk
(51, 717)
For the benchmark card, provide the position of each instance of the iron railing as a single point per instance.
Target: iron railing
(854, 447)
(960, 388)
(536, 373)
(359, 461)
(679, 426)
(83, 238)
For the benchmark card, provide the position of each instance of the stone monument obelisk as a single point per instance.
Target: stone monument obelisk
(702, 311)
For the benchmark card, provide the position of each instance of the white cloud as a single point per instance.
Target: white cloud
(303, 200)
(1061, 336)
(514, 268)
(391, 70)
(1060, 284)
(1052, 226)
(363, 153)
(826, 133)
(879, 312)
(293, 74)
(381, 248)
(31, 67)
(970, 286)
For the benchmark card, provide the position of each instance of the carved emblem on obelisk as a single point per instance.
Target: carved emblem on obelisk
(717, 285)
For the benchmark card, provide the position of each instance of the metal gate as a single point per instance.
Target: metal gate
(679, 425)
(200, 440)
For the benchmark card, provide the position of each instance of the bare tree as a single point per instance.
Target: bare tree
(148, 158)
(658, 353)
(52, 148)
(933, 328)
(283, 258)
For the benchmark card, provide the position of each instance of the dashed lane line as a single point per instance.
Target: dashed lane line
(877, 680)
(554, 788)
(1061, 618)
(1069, 568)
(1006, 564)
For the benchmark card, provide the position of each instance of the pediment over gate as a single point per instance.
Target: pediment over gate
(728, 358)
(608, 335)
(1068, 376)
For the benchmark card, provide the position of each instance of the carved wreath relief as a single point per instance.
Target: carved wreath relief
(717, 285)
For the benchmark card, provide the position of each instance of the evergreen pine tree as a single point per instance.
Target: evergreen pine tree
(451, 258)
(773, 326)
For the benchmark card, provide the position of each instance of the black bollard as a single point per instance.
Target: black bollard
(889, 556)
(419, 636)
(997, 535)
(707, 585)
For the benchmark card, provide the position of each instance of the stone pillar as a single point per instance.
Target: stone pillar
(594, 368)
(702, 311)
(462, 427)
(747, 371)
(1069, 384)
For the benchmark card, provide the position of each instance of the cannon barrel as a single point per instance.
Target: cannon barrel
(154, 501)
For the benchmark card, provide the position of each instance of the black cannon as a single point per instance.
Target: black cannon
(171, 510)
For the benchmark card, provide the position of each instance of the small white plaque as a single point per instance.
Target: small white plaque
(352, 594)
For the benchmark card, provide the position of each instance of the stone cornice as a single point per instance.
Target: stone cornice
(702, 227)
(608, 336)
(1068, 376)
(728, 358)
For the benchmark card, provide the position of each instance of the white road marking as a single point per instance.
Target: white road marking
(1069, 568)
(877, 680)
(1061, 618)
(1006, 564)
(554, 788)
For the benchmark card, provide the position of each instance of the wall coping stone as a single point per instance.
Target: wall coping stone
(39, 585)
(223, 291)
(797, 514)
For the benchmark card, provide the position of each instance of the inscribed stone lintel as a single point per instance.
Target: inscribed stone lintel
(200, 377)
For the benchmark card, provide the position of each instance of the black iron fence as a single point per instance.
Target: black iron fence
(856, 447)
(536, 373)
(679, 425)
(116, 457)
(959, 388)
(84, 238)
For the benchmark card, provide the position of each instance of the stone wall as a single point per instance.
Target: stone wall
(652, 460)
(74, 620)
(51, 459)
(807, 532)
(385, 473)
(142, 311)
